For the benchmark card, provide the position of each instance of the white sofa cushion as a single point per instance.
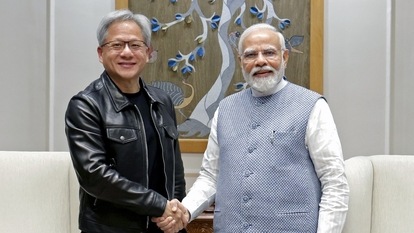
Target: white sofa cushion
(35, 193)
(393, 194)
(381, 194)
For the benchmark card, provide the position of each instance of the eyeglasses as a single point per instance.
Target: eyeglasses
(268, 54)
(133, 45)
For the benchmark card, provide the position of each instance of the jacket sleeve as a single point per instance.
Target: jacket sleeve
(84, 131)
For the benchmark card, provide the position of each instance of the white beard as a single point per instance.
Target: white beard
(267, 85)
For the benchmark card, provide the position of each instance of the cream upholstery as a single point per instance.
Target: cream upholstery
(381, 194)
(38, 193)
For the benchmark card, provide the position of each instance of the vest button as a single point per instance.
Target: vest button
(122, 138)
(247, 173)
(255, 125)
(251, 149)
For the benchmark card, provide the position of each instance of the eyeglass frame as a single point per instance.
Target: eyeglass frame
(256, 53)
(123, 45)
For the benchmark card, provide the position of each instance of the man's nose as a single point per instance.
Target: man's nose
(126, 49)
(261, 59)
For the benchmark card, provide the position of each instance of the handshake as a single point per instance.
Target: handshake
(174, 218)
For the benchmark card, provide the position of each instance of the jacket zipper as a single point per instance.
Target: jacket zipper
(146, 152)
(162, 155)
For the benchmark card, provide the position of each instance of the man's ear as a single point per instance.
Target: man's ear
(99, 50)
(285, 57)
(240, 61)
(152, 54)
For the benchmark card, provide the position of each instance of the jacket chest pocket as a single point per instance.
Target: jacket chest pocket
(170, 131)
(166, 125)
(121, 135)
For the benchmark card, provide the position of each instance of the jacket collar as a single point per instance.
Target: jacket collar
(120, 101)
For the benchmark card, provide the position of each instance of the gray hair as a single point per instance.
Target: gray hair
(261, 26)
(124, 15)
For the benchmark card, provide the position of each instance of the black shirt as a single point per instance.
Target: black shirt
(155, 161)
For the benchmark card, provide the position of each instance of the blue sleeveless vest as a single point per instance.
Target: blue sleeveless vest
(267, 182)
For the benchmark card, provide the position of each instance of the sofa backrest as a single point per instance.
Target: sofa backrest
(381, 194)
(38, 193)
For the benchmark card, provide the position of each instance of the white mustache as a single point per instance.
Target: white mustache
(264, 68)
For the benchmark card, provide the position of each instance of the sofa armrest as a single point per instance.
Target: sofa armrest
(359, 172)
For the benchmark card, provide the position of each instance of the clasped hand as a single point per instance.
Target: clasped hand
(174, 218)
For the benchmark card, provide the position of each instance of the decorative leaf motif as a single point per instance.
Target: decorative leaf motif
(286, 22)
(239, 86)
(254, 10)
(155, 27)
(186, 69)
(175, 92)
(283, 24)
(296, 40)
(192, 57)
(200, 52)
(260, 15)
(178, 16)
(216, 18)
(154, 20)
(238, 21)
(172, 63)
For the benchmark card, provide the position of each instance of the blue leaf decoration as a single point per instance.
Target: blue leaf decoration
(178, 56)
(254, 10)
(260, 16)
(183, 70)
(186, 69)
(286, 22)
(216, 18)
(214, 25)
(296, 40)
(239, 86)
(154, 21)
(200, 52)
(178, 16)
(155, 27)
(172, 63)
(282, 26)
(173, 1)
(238, 21)
(192, 57)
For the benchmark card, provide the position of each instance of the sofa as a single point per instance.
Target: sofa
(381, 194)
(39, 193)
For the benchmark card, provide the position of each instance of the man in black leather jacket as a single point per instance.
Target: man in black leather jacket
(123, 137)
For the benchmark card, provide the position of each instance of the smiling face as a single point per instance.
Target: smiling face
(124, 66)
(263, 61)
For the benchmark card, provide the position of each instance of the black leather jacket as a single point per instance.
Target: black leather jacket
(107, 144)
